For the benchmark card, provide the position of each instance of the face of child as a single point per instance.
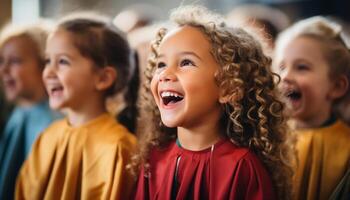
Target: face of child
(183, 84)
(68, 76)
(20, 69)
(305, 81)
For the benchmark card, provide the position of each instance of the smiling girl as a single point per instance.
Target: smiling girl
(216, 130)
(22, 48)
(313, 60)
(83, 156)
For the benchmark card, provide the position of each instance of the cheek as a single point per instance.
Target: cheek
(20, 75)
(32, 75)
(154, 88)
(204, 86)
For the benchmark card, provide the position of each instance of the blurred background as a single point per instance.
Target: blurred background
(29, 10)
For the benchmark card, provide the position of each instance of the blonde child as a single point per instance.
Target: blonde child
(83, 156)
(21, 66)
(314, 64)
(216, 127)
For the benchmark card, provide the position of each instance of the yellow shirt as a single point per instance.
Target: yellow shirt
(323, 158)
(86, 162)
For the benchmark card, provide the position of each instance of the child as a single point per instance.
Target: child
(314, 64)
(218, 131)
(21, 65)
(83, 156)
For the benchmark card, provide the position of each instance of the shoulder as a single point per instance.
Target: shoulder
(54, 128)
(111, 133)
(231, 153)
(50, 135)
(158, 153)
(249, 175)
(342, 127)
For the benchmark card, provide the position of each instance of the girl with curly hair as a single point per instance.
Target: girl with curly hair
(216, 129)
(313, 60)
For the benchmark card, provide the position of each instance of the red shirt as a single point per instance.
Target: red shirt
(223, 171)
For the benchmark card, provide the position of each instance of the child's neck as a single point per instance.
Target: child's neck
(84, 115)
(199, 138)
(315, 122)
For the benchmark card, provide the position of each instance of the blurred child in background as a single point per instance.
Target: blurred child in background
(265, 21)
(85, 155)
(313, 61)
(21, 67)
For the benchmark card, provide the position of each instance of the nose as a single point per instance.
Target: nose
(286, 75)
(167, 75)
(4, 66)
(49, 71)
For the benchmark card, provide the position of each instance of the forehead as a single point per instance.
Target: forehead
(61, 40)
(21, 44)
(303, 47)
(185, 38)
(61, 36)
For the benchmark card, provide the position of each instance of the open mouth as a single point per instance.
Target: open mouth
(55, 89)
(9, 83)
(171, 97)
(293, 95)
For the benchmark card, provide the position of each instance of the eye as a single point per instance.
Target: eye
(47, 61)
(160, 65)
(63, 61)
(281, 67)
(302, 67)
(187, 62)
(15, 61)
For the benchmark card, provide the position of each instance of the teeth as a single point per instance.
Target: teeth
(170, 94)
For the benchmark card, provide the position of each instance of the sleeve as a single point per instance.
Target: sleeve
(123, 182)
(251, 180)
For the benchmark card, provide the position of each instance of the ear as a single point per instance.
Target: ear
(340, 87)
(105, 78)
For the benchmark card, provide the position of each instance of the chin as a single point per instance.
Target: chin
(11, 97)
(54, 105)
(169, 123)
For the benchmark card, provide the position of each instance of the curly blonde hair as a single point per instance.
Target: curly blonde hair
(252, 116)
(335, 45)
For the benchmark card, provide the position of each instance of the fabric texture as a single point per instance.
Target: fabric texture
(223, 171)
(323, 159)
(22, 128)
(85, 162)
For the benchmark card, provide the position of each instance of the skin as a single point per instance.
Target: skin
(186, 67)
(21, 70)
(303, 68)
(73, 83)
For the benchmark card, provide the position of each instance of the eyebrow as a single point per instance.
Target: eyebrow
(184, 53)
(61, 54)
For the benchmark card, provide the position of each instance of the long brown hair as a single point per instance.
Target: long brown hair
(99, 40)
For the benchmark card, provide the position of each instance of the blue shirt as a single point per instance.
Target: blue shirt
(22, 128)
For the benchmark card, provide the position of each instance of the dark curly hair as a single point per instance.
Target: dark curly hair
(252, 116)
